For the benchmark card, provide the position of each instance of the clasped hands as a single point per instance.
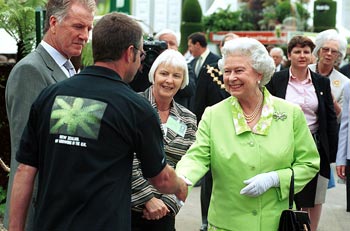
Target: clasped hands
(260, 183)
(155, 209)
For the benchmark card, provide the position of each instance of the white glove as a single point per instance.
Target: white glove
(260, 183)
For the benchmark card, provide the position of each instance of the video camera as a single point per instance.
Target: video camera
(153, 48)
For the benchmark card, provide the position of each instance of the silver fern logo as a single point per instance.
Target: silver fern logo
(76, 116)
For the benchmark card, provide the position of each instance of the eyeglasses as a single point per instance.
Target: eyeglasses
(327, 50)
(142, 53)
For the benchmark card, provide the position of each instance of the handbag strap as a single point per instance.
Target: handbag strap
(291, 190)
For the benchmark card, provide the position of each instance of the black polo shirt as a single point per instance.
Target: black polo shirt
(81, 135)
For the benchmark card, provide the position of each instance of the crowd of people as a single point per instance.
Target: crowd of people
(100, 149)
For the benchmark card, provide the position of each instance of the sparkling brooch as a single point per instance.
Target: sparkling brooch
(279, 116)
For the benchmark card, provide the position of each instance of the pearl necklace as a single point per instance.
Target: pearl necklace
(251, 117)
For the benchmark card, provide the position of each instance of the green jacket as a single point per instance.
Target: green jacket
(226, 144)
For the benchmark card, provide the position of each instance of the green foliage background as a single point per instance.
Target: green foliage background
(17, 17)
(257, 15)
(191, 21)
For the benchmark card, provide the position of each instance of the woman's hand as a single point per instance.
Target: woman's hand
(260, 183)
(155, 209)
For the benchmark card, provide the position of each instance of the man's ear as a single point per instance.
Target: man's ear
(129, 54)
(53, 24)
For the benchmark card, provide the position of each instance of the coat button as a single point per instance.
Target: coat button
(254, 212)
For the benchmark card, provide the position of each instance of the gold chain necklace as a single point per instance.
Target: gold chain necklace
(251, 117)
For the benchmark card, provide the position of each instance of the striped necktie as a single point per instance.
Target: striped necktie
(70, 68)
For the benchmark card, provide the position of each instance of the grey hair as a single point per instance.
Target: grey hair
(167, 31)
(173, 58)
(328, 35)
(260, 59)
(60, 9)
(278, 49)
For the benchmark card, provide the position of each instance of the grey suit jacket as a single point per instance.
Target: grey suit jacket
(343, 153)
(27, 79)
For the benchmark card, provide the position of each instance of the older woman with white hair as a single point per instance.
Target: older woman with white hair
(330, 50)
(250, 141)
(152, 210)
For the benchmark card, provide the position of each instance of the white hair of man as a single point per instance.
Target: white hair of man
(260, 59)
(330, 35)
(277, 49)
(167, 31)
(172, 58)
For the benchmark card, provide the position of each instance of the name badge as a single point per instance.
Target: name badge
(176, 125)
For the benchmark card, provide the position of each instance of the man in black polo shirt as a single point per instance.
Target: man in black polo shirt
(81, 137)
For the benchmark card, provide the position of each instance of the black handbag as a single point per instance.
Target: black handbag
(292, 220)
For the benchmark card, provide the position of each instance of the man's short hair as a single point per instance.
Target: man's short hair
(228, 35)
(278, 49)
(60, 8)
(198, 37)
(113, 34)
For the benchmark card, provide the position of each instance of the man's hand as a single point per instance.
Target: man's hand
(155, 209)
(341, 171)
(183, 190)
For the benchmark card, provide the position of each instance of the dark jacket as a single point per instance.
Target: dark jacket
(345, 70)
(327, 120)
(210, 89)
(211, 58)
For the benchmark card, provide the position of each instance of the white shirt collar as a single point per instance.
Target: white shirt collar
(57, 56)
(205, 54)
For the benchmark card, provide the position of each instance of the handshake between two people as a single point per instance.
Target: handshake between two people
(260, 183)
(168, 182)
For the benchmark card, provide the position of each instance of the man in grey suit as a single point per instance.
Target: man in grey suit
(66, 31)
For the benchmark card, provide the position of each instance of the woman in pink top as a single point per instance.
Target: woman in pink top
(312, 92)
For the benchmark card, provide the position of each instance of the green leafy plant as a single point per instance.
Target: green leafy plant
(226, 20)
(17, 17)
(2, 201)
(86, 55)
(276, 12)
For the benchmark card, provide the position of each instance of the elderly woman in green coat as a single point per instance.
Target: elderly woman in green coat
(250, 141)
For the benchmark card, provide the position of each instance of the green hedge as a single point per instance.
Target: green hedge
(191, 21)
(324, 15)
